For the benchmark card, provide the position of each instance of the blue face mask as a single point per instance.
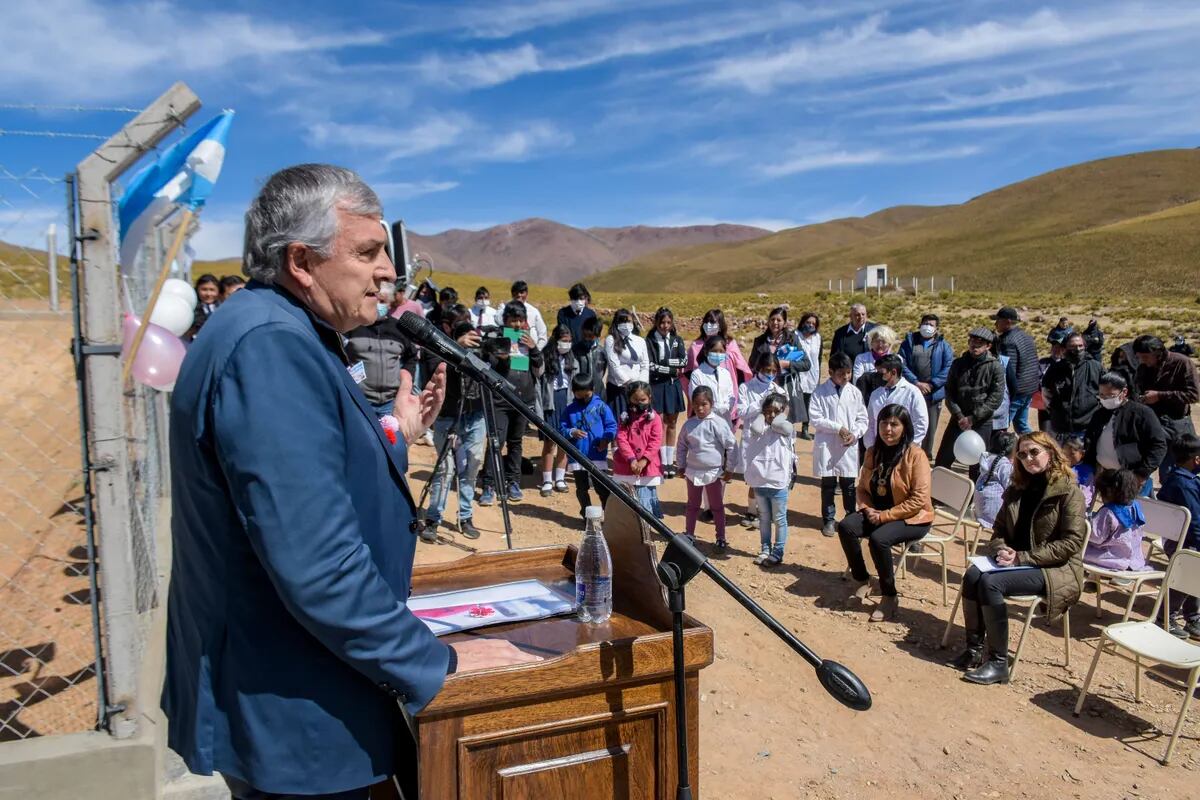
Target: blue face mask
(716, 359)
(381, 310)
(768, 377)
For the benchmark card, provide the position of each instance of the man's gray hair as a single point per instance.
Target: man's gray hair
(858, 307)
(299, 205)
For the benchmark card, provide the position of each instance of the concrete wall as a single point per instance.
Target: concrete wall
(92, 765)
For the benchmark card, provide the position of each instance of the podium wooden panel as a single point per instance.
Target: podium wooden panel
(594, 719)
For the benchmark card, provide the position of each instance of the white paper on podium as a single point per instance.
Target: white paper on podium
(464, 609)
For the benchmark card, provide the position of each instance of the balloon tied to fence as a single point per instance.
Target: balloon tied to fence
(182, 177)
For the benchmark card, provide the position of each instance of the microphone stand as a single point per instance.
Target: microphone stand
(680, 562)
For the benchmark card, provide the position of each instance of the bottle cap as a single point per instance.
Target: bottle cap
(593, 512)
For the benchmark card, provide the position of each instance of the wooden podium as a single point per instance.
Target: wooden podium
(596, 718)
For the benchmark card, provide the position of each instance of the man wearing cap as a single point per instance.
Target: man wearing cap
(974, 390)
(1015, 342)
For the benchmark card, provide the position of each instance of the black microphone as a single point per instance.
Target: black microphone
(426, 334)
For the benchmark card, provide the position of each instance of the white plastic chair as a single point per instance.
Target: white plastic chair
(1163, 521)
(952, 494)
(1034, 602)
(1147, 641)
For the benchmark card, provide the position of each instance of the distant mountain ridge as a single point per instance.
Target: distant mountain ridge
(1127, 224)
(543, 251)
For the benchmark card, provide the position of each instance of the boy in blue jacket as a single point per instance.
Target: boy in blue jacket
(1182, 487)
(589, 422)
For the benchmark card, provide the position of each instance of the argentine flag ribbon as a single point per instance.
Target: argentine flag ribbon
(183, 175)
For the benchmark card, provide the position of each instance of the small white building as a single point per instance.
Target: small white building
(871, 277)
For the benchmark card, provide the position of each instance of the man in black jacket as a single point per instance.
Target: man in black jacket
(974, 390)
(1013, 341)
(851, 339)
(1123, 433)
(1071, 388)
(510, 425)
(1169, 385)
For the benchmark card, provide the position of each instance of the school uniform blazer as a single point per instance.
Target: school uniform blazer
(288, 638)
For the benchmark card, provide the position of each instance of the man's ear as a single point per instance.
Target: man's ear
(298, 264)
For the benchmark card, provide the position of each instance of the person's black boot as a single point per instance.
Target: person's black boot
(995, 669)
(972, 656)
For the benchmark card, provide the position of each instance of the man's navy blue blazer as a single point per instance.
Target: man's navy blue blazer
(288, 638)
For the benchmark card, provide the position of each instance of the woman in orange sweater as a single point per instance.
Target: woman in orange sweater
(894, 506)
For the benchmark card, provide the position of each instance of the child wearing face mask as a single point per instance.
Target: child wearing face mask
(703, 453)
(637, 459)
(554, 393)
(749, 407)
(713, 324)
(575, 313)
(711, 374)
(768, 454)
(482, 313)
(628, 359)
(588, 422)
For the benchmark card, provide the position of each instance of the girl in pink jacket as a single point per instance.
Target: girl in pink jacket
(637, 461)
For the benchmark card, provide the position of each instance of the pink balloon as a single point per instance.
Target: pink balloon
(159, 356)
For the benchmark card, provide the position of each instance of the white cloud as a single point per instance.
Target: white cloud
(502, 20)
(430, 134)
(809, 158)
(870, 49)
(407, 190)
(120, 52)
(522, 144)
(838, 211)
(218, 238)
(1063, 116)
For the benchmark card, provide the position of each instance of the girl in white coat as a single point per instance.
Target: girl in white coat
(839, 417)
(808, 336)
(628, 359)
(749, 407)
(768, 454)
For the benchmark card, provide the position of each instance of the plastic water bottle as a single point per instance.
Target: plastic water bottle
(593, 571)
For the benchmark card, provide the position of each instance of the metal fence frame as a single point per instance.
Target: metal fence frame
(107, 438)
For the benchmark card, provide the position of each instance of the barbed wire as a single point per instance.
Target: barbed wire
(43, 107)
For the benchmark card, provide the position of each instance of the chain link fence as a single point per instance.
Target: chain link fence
(48, 647)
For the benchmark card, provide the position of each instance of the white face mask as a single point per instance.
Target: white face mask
(578, 305)
(1111, 403)
(564, 347)
(711, 329)
(928, 331)
(625, 328)
(483, 303)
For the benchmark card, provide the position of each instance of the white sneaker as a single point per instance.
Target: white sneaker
(547, 489)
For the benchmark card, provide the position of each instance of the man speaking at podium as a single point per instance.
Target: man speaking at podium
(288, 639)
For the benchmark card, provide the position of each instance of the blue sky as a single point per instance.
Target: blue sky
(606, 112)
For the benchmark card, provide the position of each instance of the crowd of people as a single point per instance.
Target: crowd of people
(647, 405)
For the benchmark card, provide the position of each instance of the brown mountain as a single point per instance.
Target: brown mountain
(544, 251)
(1126, 224)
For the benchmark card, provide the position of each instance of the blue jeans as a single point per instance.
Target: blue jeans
(772, 509)
(467, 457)
(383, 409)
(1018, 413)
(647, 497)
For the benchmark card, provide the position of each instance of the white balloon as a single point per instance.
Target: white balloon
(182, 289)
(173, 313)
(969, 448)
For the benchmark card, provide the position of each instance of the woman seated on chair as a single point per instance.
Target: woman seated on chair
(1042, 527)
(895, 506)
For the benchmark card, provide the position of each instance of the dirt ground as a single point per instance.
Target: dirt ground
(47, 683)
(768, 730)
